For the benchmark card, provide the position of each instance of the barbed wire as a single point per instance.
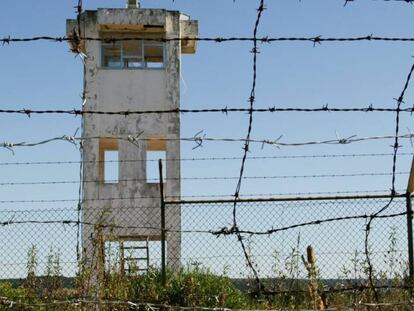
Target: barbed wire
(224, 110)
(227, 231)
(396, 147)
(200, 138)
(318, 39)
(311, 156)
(152, 180)
(77, 48)
(252, 99)
(218, 232)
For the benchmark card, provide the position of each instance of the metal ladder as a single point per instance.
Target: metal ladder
(137, 259)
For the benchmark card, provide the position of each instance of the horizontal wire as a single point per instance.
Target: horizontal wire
(75, 200)
(152, 180)
(200, 139)
(75, 209)
(224, 195)
(225, 110)
(230, 231)
(315, 156)
(313, 39)
(222, 232)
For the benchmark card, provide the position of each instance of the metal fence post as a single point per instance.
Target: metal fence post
(163, 268)
(410, 189)
(410, 235)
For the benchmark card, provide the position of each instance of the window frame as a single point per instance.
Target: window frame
(144, 64)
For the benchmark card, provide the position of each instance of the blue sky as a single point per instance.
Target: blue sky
(43, 75)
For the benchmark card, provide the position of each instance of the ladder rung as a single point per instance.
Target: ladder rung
(135, 258)
(135, 247)
(138, 269)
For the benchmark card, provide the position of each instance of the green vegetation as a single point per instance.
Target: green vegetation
(191, 287)
(293, 285)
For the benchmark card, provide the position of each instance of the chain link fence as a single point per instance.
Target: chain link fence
(49, 237)
(339, 244)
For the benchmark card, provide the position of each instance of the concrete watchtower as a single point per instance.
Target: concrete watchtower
(131, 75)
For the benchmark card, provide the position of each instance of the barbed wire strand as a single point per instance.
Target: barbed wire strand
(77, 38)
(224, 110)
(226, 231)
(215, 232)
(199, 139)
(235, 227)
(319, 39)
(396, 146)
(78, 50)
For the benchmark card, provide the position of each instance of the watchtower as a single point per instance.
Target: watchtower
(137, 73)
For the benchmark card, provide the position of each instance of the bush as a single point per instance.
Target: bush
(191, 287)
(13, 294)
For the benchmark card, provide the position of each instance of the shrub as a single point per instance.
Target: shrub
(191, 287)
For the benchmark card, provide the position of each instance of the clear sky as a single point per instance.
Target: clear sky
(45, 75)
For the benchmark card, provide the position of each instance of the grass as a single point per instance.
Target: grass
(196, 286)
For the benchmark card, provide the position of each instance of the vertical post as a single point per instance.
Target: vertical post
(163, 270)
(410, 236)
(122, 257)
(410, 189)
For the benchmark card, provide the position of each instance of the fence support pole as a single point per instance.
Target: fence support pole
(410, 236)
(410, 189)
(163, 268)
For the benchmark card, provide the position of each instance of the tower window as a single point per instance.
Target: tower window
(111, 55)
(133, 54)
(156, 150)
(153, 171)
(153, 54)
(111, 172)
(108, 160)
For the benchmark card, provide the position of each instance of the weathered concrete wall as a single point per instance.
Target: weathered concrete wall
(131, 89)
(154, 17)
